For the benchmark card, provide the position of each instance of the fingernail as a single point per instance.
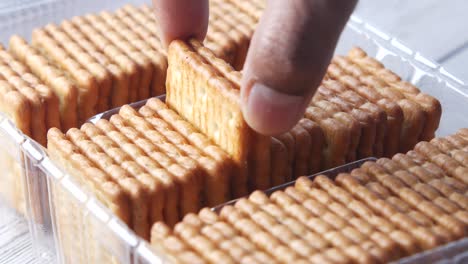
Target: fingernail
(270, 112)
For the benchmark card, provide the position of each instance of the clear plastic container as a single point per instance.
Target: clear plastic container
(30, 235)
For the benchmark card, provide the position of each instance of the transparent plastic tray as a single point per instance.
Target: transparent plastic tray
(30, 235)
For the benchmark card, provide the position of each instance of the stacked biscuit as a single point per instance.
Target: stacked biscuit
(33, 108)
(146, 165)
(381, 212)
(344, 121)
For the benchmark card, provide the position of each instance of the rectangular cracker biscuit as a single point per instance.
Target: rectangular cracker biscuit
(131, 163)
(195, 138)
(190, 178)
(279, 162)
(186, 173)
(414, 117)
(67, 213)
(103, 78)
(317, 144)
(337, 137)
(454, 228)
(216, 182)
(367, 121)
(289, 142)
(95, 42)
(134, 189)
(226, 125)
(114, 38)
(429, 104)
(352, 125)
(79, 44)
(88, 94)
(303, 143)
(158, 59)
(393, 111)
(56, 79)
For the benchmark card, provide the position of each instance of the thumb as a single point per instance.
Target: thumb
(287, 59)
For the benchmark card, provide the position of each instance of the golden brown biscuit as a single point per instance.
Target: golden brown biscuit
(393, 111)
(414, 117)
(352, 125)
(88, 94)
(289, 142)
(302, 151)
(103, 45)
(337, 137)
(158, 59)
(134, 189)
(429, 104)
(279, 162)
(52, 35)
(217, 180)
(184, 171)
(115, 65)
(317, 144)
(447, 163)
(249, 147)
(132, 162)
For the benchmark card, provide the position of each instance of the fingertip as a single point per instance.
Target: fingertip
(270, 112)
(181, 19)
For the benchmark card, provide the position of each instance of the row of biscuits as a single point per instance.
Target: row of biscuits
(89, 64)
(342, 123)
(378, 213)
(92, 63)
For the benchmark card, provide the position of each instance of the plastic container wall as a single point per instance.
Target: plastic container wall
(32, 234)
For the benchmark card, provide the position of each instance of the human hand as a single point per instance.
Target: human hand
(287, 59)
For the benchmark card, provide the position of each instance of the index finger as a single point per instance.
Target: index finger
(181, 19)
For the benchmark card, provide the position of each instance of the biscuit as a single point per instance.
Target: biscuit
(302, 150)
(368, 126)
(300, 229)
(279, 162)
(108, 192)
(161, 236)
(397, 187)
(149, 36)
(337, 137)
(16, 107)
(393, 111)
(268, 222)
(287, 139)
(358, 208)
(114, 65)
(143, 63)
(319, 225)
(56, 79)
(260, 237)
(158, 59)
(349, 231)
(187, 67)
(52, 36)
(414, 117)
(134, 189)
(426, 240)
(185, 173)
(88, 94)
(193, 167)
(201, 244)
(452, 150)
(429, 104)
(217, 180)
(136, 165)
(351, 124)
(447, 163)
(197, 139)
(102, 44)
